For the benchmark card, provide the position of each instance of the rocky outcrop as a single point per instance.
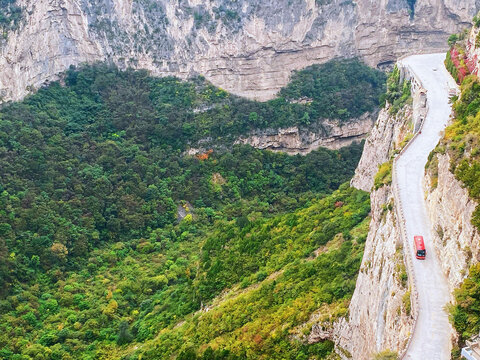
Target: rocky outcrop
(327, 133)
(391, 132)
(450, 210)
(379, 310)
(387, 133)
(248, 47)
(472, 51)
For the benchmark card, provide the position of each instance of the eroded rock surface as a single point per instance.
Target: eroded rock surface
(450, 210)
(379, 318)
(248, 47)
(388, 131)
(332, 134)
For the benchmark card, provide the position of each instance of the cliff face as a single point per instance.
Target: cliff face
(450, 209)
(327, 133)
(379, 314)
(472, 52)
(388, 131)
(248, 47)
(379, 310)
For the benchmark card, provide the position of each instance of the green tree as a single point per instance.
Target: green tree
(124, 336)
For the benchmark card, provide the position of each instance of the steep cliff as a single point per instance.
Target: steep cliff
(388, 131)
(453, 174)
(330, 134)
(450, 209)
(450, 206)
(379, 312)
(248, 47)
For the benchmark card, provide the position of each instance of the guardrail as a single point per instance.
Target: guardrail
(401, 220)
(408, 257)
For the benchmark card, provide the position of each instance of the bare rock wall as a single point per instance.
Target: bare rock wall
(248, 47)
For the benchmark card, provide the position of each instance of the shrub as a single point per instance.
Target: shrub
(386, 355)
(384, 175)
(124, 336)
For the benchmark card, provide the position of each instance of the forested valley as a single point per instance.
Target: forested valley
(117, 244)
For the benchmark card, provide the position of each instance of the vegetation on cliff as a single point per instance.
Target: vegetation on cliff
(398, 92)
(384, 175)
(462, 140)
(455, 63)
(465, 315)
(462, 143)
(10, 16)
(95, 259)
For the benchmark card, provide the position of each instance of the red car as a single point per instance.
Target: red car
(420, 251)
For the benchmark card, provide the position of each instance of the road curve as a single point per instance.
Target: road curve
(432, 336)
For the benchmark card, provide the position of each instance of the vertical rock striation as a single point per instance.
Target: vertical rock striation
(379, 314)
(379, 310)
(388, 131)
(450, 210)
(248, 47)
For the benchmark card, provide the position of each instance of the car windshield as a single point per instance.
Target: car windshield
(421, 253)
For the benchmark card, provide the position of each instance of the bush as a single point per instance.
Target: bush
(407, 302)
(398, 92)
(124, 335)
(384, 175)
(386, 355)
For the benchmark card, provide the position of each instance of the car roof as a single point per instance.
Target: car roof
(419, 240)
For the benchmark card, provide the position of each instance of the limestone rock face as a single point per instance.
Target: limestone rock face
(378, 317)
(387, 132)
(472, 52)
(450, 210)
(248, 47)
(327, 133)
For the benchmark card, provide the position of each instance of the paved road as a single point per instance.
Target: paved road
(431, 339)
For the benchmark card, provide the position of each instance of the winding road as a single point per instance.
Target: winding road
(431, 339)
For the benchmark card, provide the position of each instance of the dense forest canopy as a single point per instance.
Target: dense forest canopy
(144, 297)
(94, 257)
(166, 111)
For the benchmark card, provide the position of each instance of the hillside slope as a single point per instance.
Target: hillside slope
(116, 243)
